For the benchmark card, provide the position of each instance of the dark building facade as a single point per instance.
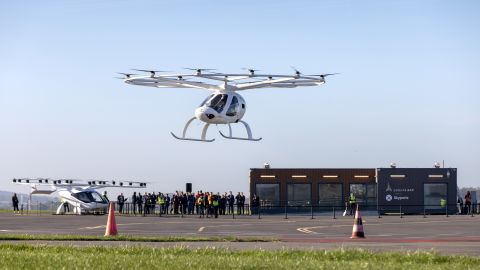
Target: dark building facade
(317, 187)
(388, 190)
(415, 190)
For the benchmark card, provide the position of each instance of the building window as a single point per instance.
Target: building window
(433, 194)
(269, 194)
(365, 194)
(360, 192)
(299, 194)
(330, 195)
(371, 194)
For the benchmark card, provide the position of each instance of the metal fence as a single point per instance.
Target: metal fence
(336, 209)
(181, 210)
(280, 209)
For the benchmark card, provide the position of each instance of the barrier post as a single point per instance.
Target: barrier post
(286, 217)
(446, 210)
(311, 210)
(259, 209)
(401, 216)
(424, 214)
(334, 212)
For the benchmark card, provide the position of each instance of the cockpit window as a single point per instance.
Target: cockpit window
(233, 108)
(97, 197)
(207, 99)
(218, 102)
(89, 196)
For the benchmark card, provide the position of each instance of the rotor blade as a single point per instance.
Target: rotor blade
(146, 70)
(251, 70)
(201, 69)
(325, 75)
(297, 72)
(127, 74)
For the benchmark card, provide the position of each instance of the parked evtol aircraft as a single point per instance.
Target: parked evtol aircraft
(225, 106)
(79, 194)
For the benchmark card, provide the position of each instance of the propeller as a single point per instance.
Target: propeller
(297, 72)
(127, 75)
(325, 75)
(199, 70)
(251, 70)
(152, 72)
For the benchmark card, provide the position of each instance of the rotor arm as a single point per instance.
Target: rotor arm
(177, 82)
(264, 83)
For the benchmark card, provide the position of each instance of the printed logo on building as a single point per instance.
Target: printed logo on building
(389, 188)
(388, 198)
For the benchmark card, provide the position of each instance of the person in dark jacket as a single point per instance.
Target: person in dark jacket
(140, 203)
(231, 202)
(242, 203)
(134, 202)
(255, 203)
(238, 200)
(15, 203)
(121, 201)
(167, 203)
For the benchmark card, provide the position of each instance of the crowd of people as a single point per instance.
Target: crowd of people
(204, 204)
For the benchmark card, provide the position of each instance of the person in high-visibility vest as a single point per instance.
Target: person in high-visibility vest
(161, 202)
(201, 206)
(215, 205)
(443, 203)
(353, 203)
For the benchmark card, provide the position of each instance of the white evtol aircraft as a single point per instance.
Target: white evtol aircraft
(225, 106)
(79, 194)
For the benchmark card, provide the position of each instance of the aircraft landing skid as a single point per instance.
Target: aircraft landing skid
(249, 133)
(204, 133)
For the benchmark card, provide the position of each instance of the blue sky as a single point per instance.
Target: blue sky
(408, 90)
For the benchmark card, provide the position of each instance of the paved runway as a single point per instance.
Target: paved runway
(449, 235)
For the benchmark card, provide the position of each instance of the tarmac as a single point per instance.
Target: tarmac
(459, 235)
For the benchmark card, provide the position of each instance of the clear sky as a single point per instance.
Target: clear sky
(408, 90)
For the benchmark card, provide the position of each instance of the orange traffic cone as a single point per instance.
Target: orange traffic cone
(357, 231)
(111, 229)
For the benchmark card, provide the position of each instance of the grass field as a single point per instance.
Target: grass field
(68, 237)
(20, 256)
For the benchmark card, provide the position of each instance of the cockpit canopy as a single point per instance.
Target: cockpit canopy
(219, 102)
(89, 197)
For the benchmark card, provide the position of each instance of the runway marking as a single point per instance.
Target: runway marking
(103, 226)
(201, 229)
(308, 230)
(4, 230)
